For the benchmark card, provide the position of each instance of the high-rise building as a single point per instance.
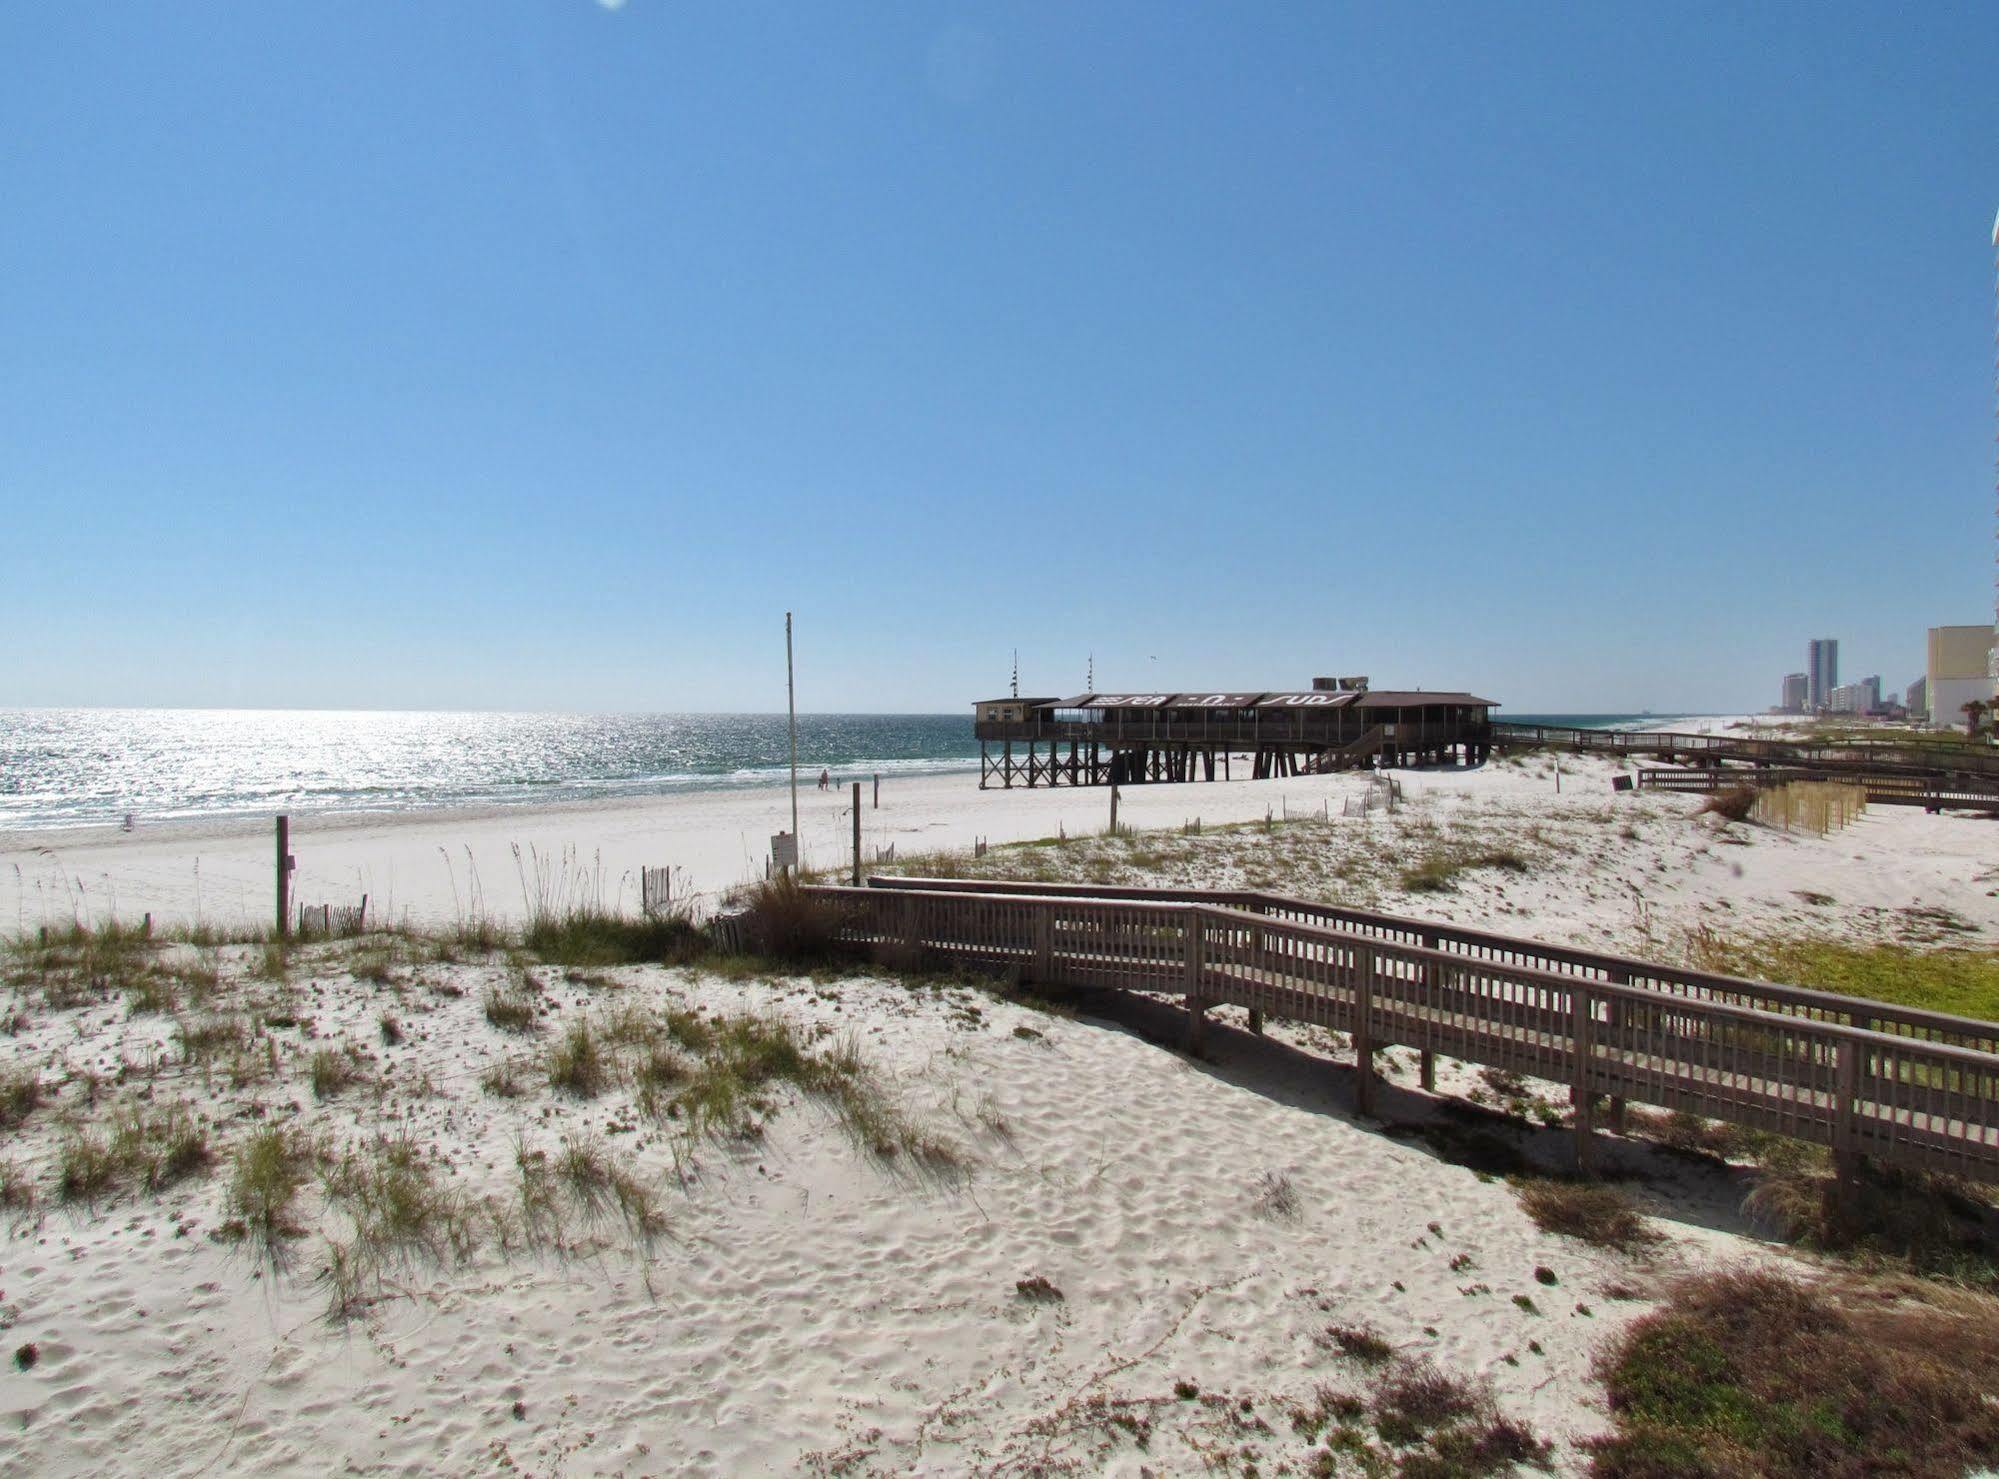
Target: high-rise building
(1863, 697)
(1797, 689)
(1919, 699)
(1821, 671)
(1959, 671)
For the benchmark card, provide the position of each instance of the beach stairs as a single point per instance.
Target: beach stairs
(1347, 756)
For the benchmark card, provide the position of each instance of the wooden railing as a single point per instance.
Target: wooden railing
(1933, 792)
(1881, 755)
(1483, 945)
(1616, 1028)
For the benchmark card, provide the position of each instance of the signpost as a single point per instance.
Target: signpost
(286, 862)
(791, 706)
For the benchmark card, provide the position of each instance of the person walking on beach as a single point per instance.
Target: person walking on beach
(825, 779)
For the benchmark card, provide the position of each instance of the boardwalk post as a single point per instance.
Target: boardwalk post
(857, 834)
(1197, 1008)
(1044, 943)
(1584, 1101)
(286, 862)
(1256, 1020)
(1363, 1030)
(1615, 1009)
(1845, 1125)
(912, 947)
(1426, 1061)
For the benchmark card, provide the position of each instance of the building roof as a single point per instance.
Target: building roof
(1317, 698)
(1390, 698)
(1010, 699)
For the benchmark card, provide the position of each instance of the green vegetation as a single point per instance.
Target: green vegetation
(786, 923)
(1906, 1221)
(599, 1186)
(153, 1148)
(1752, 1373)
(597, 937)
(77, 964)
(331, 1070)
(1437, 869)
(401, 1214)
(1964, 982)
(575, 1066)
(271, 1166)
(20, 1095)
(511, 1007)
(1361, 1343)
(1426, 1424)
(1590, 1212)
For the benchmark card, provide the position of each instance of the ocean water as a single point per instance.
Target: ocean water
(89, 767)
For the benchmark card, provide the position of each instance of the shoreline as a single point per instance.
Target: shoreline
(608, 794)
(443, 865)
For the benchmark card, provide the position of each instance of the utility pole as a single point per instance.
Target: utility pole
(791, 706)
(1992, 669)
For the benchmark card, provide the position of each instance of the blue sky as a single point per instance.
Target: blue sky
(540, 354)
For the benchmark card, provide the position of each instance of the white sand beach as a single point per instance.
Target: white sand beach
(1091, 1253)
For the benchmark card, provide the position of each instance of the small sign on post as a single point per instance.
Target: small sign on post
(784, 852)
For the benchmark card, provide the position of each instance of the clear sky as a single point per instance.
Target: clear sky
(541, 353)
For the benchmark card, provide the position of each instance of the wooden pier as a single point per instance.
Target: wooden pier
(1903, 1086)
(1105, 739)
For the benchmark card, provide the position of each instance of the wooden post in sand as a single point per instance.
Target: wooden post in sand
(1426, 1062)
(857, 834)
(1845, 1125)
(1363, 1031)
(286, 862)
(1582, 1100)
(1197, 1008)
(1616, 1014)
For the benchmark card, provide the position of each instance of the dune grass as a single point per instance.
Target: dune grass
(271, 1166)
(402, 1214)
(147, 1146)
(20, 1096)
(1439, 868)
(601, 937)
(1883, 1218)
(331, 1070)
(1755, 1373)
(1416, 1420)
(1589, 1212)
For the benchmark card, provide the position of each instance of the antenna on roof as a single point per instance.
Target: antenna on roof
(1090, 678)
(1016, 672)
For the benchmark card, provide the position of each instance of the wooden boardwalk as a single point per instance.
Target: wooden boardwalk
(1905, 1087)
(1882, 756)
(1931, 792)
